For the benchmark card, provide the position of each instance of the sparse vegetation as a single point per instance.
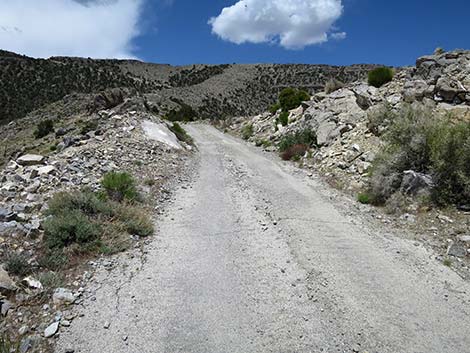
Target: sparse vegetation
(274, 108)
(247, 131)
(44, 128)
(8, 346)
(420, 141)
(380, 76)
(184, 113)
(18, 265)
(283, 118)
(333, 85)
(291, 98)
(181, 133)
(88, 126)
(364, 198)
(89, 222)
(120, 186)
(305, 137)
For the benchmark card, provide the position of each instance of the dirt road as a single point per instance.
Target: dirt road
(254, 256)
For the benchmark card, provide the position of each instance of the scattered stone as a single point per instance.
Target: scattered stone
(63, 296)
(5, 307)
(51, 330)
(106, 325)
(456, 249)
(32, 283)
(7, 285)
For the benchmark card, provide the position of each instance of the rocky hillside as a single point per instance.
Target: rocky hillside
(212, 91)
(354, 125)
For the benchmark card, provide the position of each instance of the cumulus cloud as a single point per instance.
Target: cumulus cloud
(294, 24)
(89, 28)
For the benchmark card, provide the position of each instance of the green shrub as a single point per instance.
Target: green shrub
(135, 221)
(68, 228)
(333, 85)
(303, 137)
(84, 201)
(294, 152)
(364, 198)
(291, 98)
(450, 156)
(247, 131)
(120, 186)
(420, 141)
(18, 265)
(181, 133)
(44, 128)
(274, 108)
(184, 113)
(88, 126)
(53, 260)
(380, 76)
(51, 280)
(283, 118)
(379, 118)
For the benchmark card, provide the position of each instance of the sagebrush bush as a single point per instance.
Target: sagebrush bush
(181, 133)
(283, 118)
(247, 131)
(88, 126)
(420, 141)
(184, 113)
(7, 345)
(18, 265)
(450, 156)
(379, 118)
(380, 76)
(120, 186)
(87, 222)
(291, 98)
(303, 137)
(333, 85)
(294, 152)
(68, 228)
(44, 128)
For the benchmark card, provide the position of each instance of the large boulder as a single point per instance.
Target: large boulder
(414, 183)
(30, 159)
(450, 90)
(416, 90)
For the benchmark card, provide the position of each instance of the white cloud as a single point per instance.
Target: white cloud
(338, 35)
(89, 28)
(293, 23)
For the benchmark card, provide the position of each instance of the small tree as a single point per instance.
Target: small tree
(44, 128)
(291, 98)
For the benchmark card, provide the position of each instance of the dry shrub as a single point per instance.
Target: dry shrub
(295, 151)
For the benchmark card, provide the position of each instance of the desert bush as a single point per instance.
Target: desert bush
(283, 118)
(135, 221)
(68, 228)
(247, 131)
(380, 76)
(181, 133)
(333, 85)
(51, 280)
(396, 203)
(274, 108)
(184, 113)
(18, 265)
(420, 141)
(44, 128)
(379, 118)
(303, 137)
(84, 201)
(450, 157)
(120, 186)
(294, 152)
(53, 259)
(439, 51)
(291, 98)
(88, 126)
(364, 198)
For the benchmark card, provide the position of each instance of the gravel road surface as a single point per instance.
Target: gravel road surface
(256, 256)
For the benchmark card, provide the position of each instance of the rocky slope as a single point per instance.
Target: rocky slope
(214, 91)
(348, 143)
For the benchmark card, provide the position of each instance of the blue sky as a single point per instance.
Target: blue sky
(178, 32)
